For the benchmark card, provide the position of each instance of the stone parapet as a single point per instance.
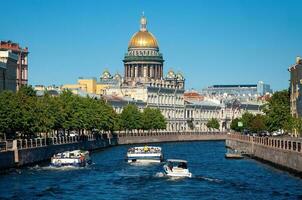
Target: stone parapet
(282, 152)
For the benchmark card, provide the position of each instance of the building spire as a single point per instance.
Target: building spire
(143, 23)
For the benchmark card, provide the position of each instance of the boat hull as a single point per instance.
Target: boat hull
(144, 157)
(176, 173)
(138, 160)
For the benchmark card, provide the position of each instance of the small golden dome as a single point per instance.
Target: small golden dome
(143, 38)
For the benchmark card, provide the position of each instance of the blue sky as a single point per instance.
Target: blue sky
(211, 42)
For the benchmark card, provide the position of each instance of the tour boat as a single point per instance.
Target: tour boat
(145, 154)
(177, 168)
(77, 158)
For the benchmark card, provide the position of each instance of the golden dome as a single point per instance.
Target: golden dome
(143, 38)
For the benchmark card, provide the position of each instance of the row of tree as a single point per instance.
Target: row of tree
(26, 115)
(276, 116)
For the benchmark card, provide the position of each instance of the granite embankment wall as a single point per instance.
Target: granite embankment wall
(155, 137)
(7, 159)
(33, 152)
(282, 152)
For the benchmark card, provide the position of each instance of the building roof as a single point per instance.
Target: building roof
(9, 45)
(233, 86)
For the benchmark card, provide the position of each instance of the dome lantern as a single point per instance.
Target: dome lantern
(143, 23)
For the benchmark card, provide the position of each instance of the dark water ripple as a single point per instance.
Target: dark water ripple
(110, 177)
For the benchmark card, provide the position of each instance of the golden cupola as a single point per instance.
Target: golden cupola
(143, 38)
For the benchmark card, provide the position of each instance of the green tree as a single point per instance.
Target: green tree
(153, 119)
(9, 114)
(213, 124)
(277, 110)
(160, 121)
(234, 125)
(131, 118)
(257, 124)
(246, 120)
(148, 116)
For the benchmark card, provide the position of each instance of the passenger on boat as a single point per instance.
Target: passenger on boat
(146, 148)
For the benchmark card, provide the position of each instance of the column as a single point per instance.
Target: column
(126, 70)
(132, 70)
(145, 71)
(161, 71)
(136, 71)
(151, 71)
(148, 71)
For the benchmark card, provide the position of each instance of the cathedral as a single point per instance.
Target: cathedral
(144, 78)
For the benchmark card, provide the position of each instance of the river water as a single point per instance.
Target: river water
(110, 177)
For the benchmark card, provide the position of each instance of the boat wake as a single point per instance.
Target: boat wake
(159, 174)
(215, 180)
(142, 163)
(63, 168)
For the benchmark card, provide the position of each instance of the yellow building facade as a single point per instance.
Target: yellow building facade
(92, 86)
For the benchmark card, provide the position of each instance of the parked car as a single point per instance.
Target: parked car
(276, 133)
(264, 134)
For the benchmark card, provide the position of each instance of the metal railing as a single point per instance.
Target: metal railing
(164, 133)
(42, 142)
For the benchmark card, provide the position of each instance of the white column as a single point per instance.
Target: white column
(145, 71)
(136, 71)
(151, 72)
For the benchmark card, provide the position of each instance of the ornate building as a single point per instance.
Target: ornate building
(22, 54)
(8, 69)
(91, 85)
(295, 88)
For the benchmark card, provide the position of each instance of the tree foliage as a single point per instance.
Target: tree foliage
(250, 122)
(258, 123)
(131, 118)
(277, 116)
(213, 124)
(150, 119)
(26, 115)
(277, 111)
(234, 125)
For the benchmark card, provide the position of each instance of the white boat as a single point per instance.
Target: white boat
(77, 158)
(177, 168)
(145, 154)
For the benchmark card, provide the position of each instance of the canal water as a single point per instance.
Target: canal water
(110, 177)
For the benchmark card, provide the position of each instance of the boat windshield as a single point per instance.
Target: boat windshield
(182, 165)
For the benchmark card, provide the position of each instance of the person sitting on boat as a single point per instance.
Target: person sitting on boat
(182, 165)
(82, 158)
(146, 148)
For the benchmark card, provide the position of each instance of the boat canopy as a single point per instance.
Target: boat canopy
(177, 160)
